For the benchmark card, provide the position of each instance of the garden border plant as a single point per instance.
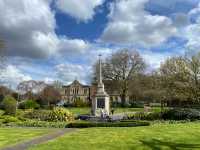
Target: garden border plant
(107, 124)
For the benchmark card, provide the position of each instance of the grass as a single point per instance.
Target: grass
(79, 110)
(11, 136)
(87, 110)
(124, 110)
(156, 137)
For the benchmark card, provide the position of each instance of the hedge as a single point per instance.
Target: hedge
(106, 124)
(181, 114)
(12, 121)
(46, 124)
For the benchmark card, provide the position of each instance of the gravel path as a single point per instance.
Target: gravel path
(39, 140)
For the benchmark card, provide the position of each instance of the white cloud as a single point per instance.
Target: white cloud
(82, 10)
(195, 10)
(192, 31)
(68, 72)
(12, 76)
(73, 46)
(154, 59)
(131, 24)
(181, 20)
(28, 29)
(48, 80)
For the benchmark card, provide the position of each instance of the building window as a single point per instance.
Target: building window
(65, 92)
(85, 91)
(116, 98)
(111, 99)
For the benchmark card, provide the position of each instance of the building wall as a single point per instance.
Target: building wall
(75, 91)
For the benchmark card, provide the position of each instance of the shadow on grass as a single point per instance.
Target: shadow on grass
(156, 144)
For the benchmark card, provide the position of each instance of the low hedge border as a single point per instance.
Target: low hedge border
(45, 124)
(106, 124)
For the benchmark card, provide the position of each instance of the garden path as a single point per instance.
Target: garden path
(39, 140)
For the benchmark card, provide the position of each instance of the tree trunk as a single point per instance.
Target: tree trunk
(161, 106)
(124, 93)
(123, 99)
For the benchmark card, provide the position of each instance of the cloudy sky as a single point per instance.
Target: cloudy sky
(61, 39)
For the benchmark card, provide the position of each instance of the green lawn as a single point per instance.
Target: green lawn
(155, 137)
(10, 136)
(86, 110)
(80, 110)
(124, 110)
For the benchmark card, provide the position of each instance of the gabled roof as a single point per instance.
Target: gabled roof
(76, 82)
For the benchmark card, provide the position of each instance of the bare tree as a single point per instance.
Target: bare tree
(50, 95)
(121, 67)
(4, 91)
(193, 66)
(175, 79)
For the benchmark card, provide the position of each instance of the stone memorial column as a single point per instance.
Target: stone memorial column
(101, 101)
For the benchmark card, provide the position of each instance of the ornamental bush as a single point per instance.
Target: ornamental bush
(8, 119)
(61, 114)
(171, 114)
(9, 105)
(36, 123)
(80, 103)
(145, 116)
(181, 114)
(29, 104)
(57, 114)
(42, 115)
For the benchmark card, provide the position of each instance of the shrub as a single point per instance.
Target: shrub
(8, 119)
(181, 114)
(10, 105)
(171, 114)
(43, 115)
(61, 114)
(106, 124)
(137, 105)
(1, 112)
(29, 104)
(57, 114)
(153, 116)
(80, 103)
(36, 123)
(67, 104)
(145, 116)
(115, 104)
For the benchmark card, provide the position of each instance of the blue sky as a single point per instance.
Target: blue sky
(77, 29)
(60, 39)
